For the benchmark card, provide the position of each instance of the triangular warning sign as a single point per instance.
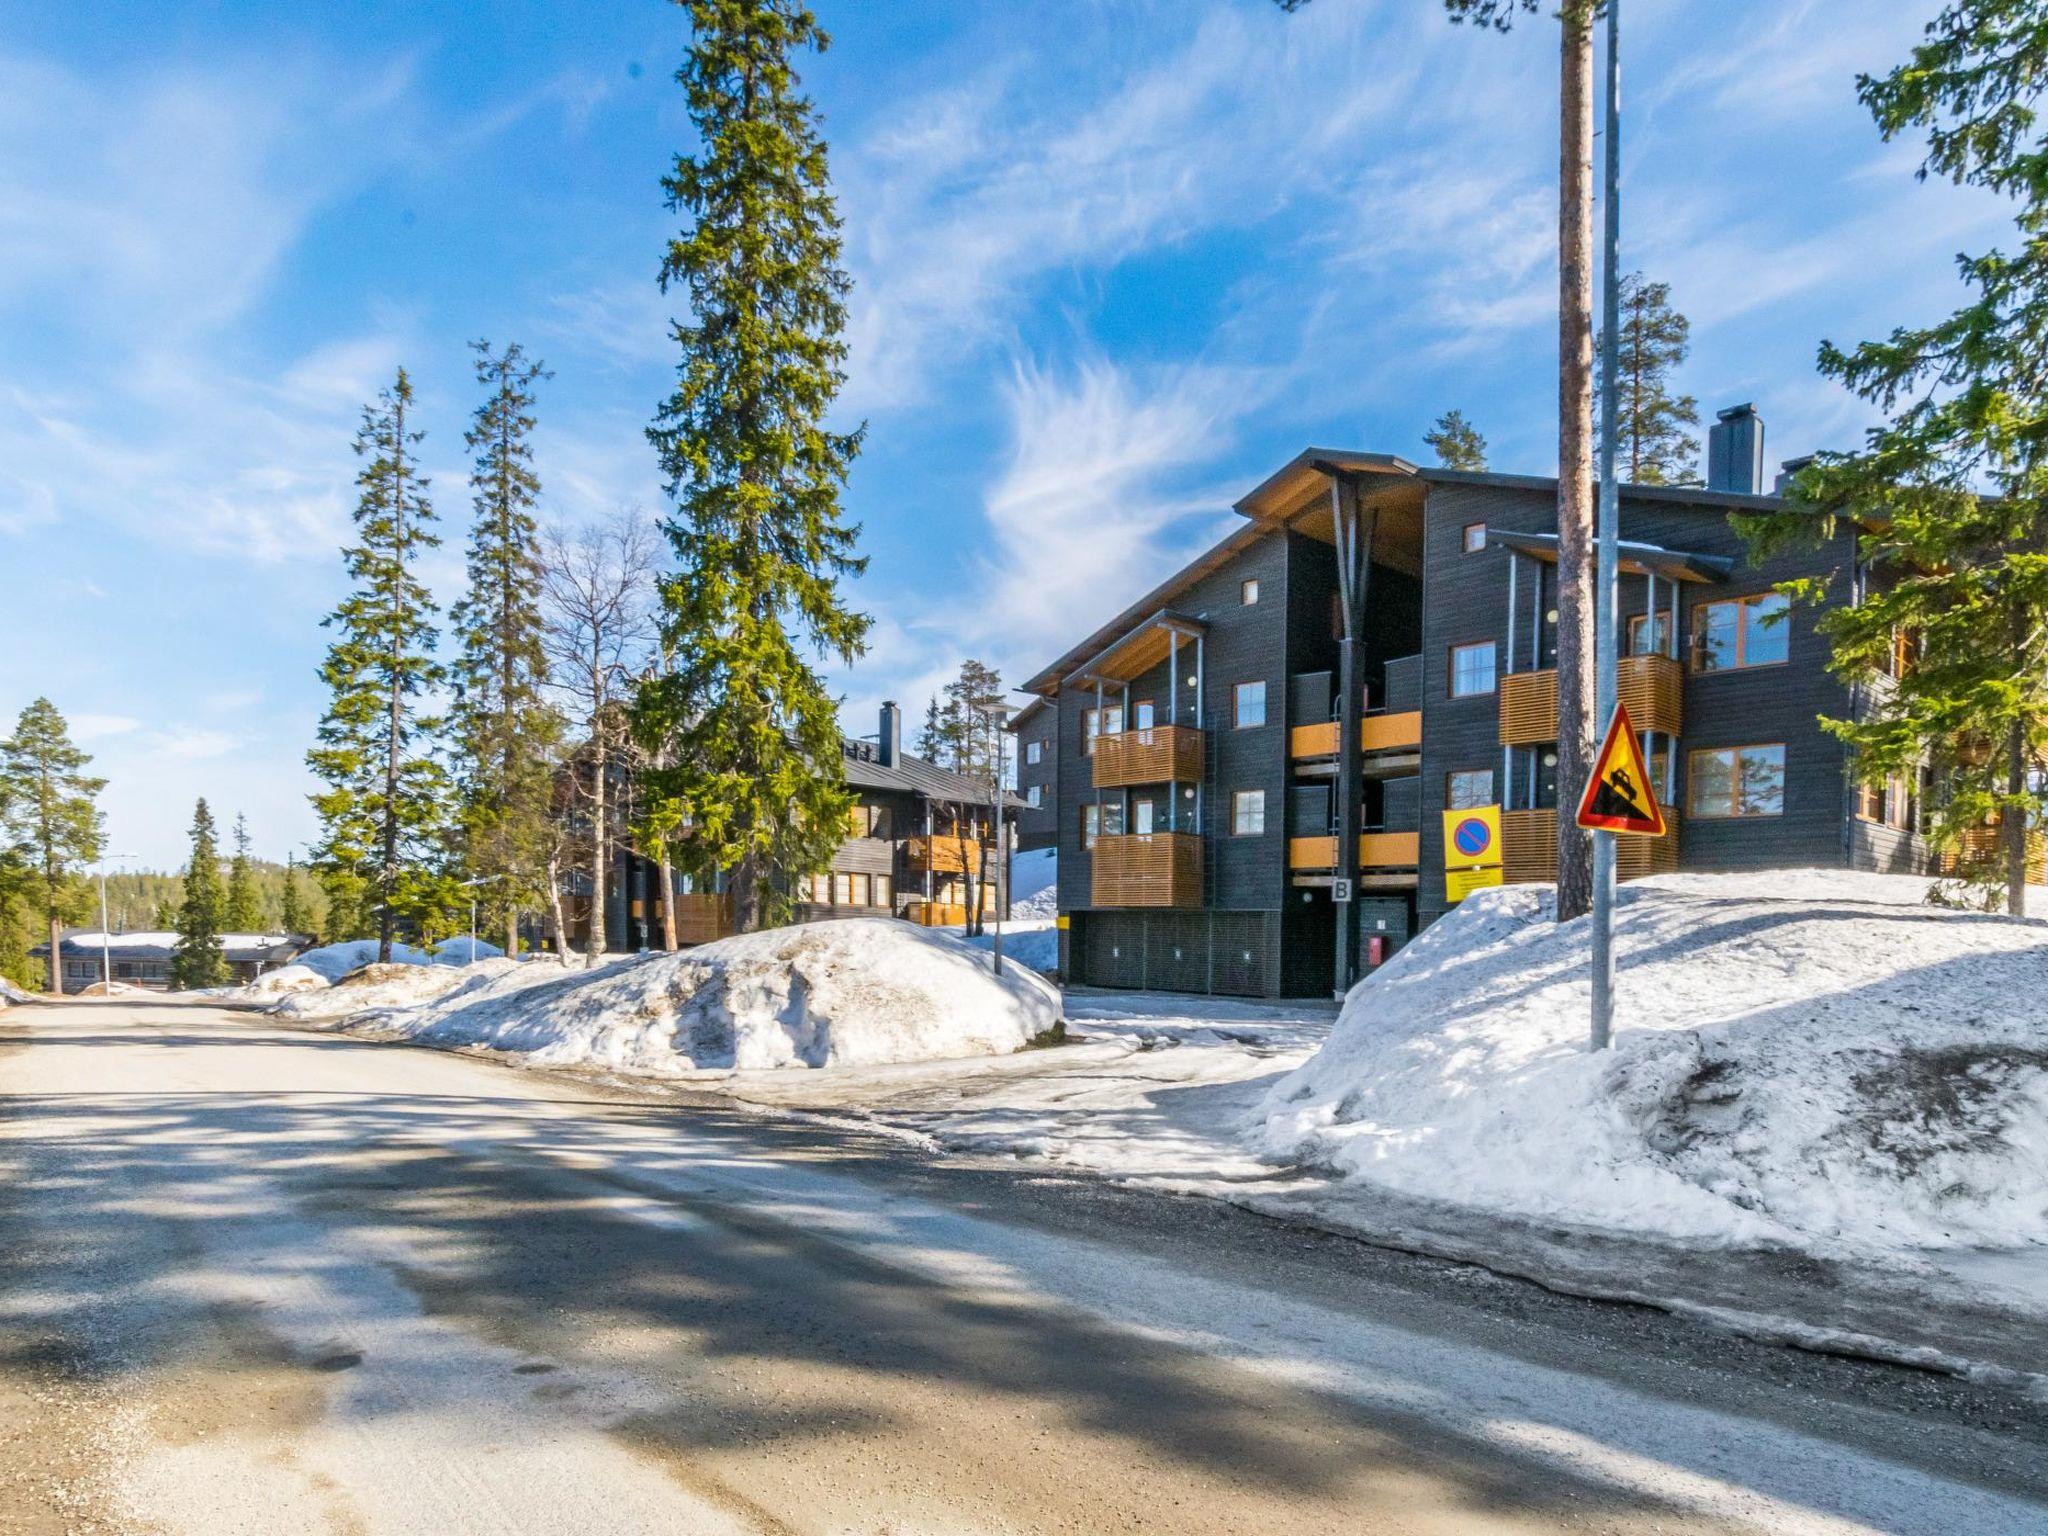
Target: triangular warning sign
(1619, 796)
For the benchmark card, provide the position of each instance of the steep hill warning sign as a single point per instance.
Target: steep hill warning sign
(1619, 796)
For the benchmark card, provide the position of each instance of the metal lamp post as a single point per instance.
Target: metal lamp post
(1606, 638)
(107, 944)
(996, 713)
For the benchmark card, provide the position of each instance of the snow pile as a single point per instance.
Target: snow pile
(856, 991)
(282, 982)
(1792, 1064)
(1034, 884)
(11, 995)
(1034, 943)
(397, 985)
(466, 951)
(335, 961)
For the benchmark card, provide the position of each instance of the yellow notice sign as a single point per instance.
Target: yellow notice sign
(1472, 857)
(1060, 922)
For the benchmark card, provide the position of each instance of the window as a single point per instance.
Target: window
(1472, 669)
(1249, 700)
(1734, 782)
(1649, 634)
(879, 823)
(884, 891)
(1468, 789)
(1091, 824)
(1141, 818)
(1474, 538)
(1034, 752)
(1890, 802)
(1090, 723)
(842, 890)
(821, 890)
(1248, 813)
(1141, 715)
(1035, 796)
(1741, 632)
(1113, 818)
(1248, 592)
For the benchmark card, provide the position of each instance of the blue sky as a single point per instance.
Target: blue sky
(1114, 261)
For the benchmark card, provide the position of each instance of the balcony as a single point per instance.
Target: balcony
(944, 855)
(1376, 850)
(1151, 755)
(1529, 849)
(702, 916)
(1147, 869)
(1984, 848)
(1376, 733)
(1652, 690)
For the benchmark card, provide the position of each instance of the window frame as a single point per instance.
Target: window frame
(1696, 647)
(1248, 592)
(1239, 798)
(1692, 781)
(1492, 648)
(1091, 823)
(1466, 545)
(1451, 799)
(1034, 753)
(1237, 696)
(1144, 714)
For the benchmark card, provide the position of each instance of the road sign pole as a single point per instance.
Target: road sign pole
(1606, 643)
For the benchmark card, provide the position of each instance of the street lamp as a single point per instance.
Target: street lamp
(107, 944)
(996, 712)
(470, 886)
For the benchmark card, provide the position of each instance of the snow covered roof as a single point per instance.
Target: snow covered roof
(238, 947)
(915, 776)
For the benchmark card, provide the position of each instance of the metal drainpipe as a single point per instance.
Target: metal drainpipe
(1507, 751)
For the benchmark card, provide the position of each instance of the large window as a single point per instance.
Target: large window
(1725, 783)
(1741, 632)
(1472, 669)
(1091, 824)
(1649, 634)
(1113, 818)
(884, 893)
(845, 890)
(1468, 789)
(1249, 701)
(1248, 813)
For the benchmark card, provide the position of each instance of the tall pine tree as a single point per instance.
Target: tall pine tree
(504, 732)
(17, 886)
(242, 909)
(197, 959)
(1456, 442)
(1658, 440)
(1951, 495)
(54, 819)
(382, 813)
(753, 470)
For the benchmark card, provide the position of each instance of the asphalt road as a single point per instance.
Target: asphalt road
(261, 1280)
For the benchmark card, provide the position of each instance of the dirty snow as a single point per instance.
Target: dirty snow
(1804, 1058)
(335, 961)
(11, 995)
(466, 951)
(272, 985)
(396, 985)
(850, 992)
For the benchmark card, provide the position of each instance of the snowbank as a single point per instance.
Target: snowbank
(466, 951)
(1034, 884)
(1033, 942)
(335, 961)
(1799, 1058)
(397, 985)
(282, 982)
(13, 996)
(853, 992)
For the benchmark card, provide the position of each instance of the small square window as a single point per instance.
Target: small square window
(1248, 813)
(1248, 592)
(1468, 790)
(1035, 796)
(1249, 700)
(1034, 752)
(1472, 669)
(1475, 538)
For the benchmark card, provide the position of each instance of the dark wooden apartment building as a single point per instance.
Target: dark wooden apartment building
(1377, 643)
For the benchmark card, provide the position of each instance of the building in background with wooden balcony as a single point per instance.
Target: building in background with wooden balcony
(1249, 765)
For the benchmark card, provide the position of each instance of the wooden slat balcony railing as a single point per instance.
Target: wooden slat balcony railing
(935, 914)
(1150, 755)
(1984, 848)
(1376, 733)
(702, 917)
(1528, 842)
(1652, 688)
(944, 855)
(1147, 869)
(1376, 850)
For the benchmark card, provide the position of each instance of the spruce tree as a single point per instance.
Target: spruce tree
(17, 885)
(54, 820)
(752, 468)
(1456, 442)
(1950, 495)
(1658, 442)
(503, 730)
(242, 911)
(931, 738)
(382, 813)
(197, 960)
(291, 911)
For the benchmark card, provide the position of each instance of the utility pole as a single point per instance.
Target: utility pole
(1606, 637)
(996, 713)
(106, 944)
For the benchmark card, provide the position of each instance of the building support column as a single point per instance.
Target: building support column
(1353, 532)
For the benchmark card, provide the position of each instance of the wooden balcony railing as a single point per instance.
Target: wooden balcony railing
(1376, 733)
(1151, 755)
(935, 914)
(1376, 850)
(1652, 688)
(1528, 842)
(1984, 847)
(945, 855)
(702, 917)
(1147, 869)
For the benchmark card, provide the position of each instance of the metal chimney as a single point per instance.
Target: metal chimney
(889, 741)
(1735, 452)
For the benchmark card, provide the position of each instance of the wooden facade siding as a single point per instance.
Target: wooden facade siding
(935, 914)
(1376, 733)
(1148, 869)
(1152, 755)
(1652, 689)
(1376, 850)
(1983, 846)
(1529, 849)
(702, 916)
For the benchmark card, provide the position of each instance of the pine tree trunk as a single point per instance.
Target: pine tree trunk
(1575, 725)
(747, 875)
(56, 960)
(555, 915)
(512, 929)
(600, 843)
(665, 872)
(2015, 821)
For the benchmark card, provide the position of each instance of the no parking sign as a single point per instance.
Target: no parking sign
(1471, 851)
